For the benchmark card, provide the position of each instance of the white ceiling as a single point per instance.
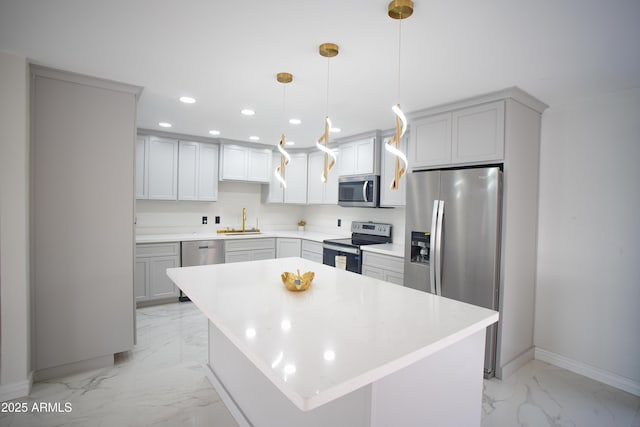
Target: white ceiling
(226, 54)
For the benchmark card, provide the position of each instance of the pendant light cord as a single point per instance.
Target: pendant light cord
(328, 71)
(399, 54)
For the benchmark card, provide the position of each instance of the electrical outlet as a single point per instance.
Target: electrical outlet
(217, 219)
(339, 222)
(204, 220)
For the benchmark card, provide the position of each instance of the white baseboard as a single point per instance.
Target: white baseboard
(606, 377)
(504, 372)
(16, 390)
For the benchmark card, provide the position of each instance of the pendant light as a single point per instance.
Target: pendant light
(327, 50)
(399, 9)
(285, 158)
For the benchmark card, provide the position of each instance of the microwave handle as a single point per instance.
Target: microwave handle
(364, 190)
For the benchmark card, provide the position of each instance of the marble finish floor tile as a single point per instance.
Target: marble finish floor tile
(541, 395)
(162, 382)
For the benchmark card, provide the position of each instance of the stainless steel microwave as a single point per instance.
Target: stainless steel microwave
(359, 191)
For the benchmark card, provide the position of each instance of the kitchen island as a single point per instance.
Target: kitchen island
(349, 351)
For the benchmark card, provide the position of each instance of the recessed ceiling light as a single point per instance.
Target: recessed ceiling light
(295, 121)
(335, 130)
(164, 124)
(247, 112)
(214, 132)
(254, 138)
(187, 100)
(290, 143)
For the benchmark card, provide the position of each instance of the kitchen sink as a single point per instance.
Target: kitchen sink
(232, 232)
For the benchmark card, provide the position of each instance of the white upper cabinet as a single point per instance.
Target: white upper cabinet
(295, 175)
(430, 141)
(464, 136)
(240, 163)
(389, 197)
(162, 168)
(233, 162)
(198, 171)
(188, 171)
(141, 179)
(274, 192)
(319, 192)
(208, 172)
(478, 133)
(357, 157)
(259, 165)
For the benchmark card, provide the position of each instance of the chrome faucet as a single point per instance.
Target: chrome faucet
(244, 218)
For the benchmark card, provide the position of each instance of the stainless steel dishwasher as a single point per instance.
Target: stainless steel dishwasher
(201, 252)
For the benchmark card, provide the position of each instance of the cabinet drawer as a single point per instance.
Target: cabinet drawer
(383, 261)
(311, 246)
(312, 256)
(157, 249)
(249, 244)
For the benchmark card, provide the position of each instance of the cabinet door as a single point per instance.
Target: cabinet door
(275, 191)
(312, 256)
(208, 172)
(315, 186)
(393, 277)
(478, 133)
(331, 188)
(389, 197)
(160, 286)
(162, 171)
(288, 247)
(141, 157)
(141, 280)
(347, 159)
(364, 156)
(430, 141)
(296, 176)
(259, 165)
(263, 254)
(234, 162)
(188, 170)
(237, 256)
(374, 272)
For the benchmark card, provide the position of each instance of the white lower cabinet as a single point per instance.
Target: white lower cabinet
(287, 247)
(311, 250)
(249, 249)
(150, 281)
(383, 267)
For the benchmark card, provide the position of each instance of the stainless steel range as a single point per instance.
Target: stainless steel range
(362, 233)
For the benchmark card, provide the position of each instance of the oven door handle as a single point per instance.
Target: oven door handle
(364, 190)
(354, 251)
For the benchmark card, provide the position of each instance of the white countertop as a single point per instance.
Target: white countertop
(184, 237)
(391, 249)
(344, 332)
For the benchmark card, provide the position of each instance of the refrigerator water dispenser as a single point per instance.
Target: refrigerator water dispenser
(420, 246)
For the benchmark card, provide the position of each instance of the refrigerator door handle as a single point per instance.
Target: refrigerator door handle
(364, 190)
(433, 256)
(438, 266)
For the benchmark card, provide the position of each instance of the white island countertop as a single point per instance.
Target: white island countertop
(344, 332)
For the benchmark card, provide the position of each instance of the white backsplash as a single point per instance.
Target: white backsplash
(159, 217)
(154, 216)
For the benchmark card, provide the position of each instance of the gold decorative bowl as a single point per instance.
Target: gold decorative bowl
(297, 282)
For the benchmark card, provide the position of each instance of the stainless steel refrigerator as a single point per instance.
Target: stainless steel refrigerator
(452, 238)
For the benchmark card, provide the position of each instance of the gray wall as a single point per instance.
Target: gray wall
(588, 275)
(82, 217)
(14, 227)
